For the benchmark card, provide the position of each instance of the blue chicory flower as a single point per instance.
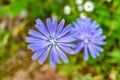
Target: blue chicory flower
(89, 37)
(51, 39)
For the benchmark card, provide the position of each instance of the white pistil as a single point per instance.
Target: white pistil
(86, 40)
(53, 41)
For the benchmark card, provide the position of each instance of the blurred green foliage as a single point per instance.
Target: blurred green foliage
(105, 14)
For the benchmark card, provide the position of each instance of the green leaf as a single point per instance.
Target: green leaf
(5, 39)
(16, 8)
(4, 10)
(115, 56)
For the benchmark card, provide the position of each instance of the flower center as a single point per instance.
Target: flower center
(89, 6)
(86, 40)
(53, 41)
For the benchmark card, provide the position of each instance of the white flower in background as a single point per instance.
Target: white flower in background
(80, 8)
(79, 1)
(23, 14)
(109, 1)
(83, 15)
(67, 9)
(89, 6)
